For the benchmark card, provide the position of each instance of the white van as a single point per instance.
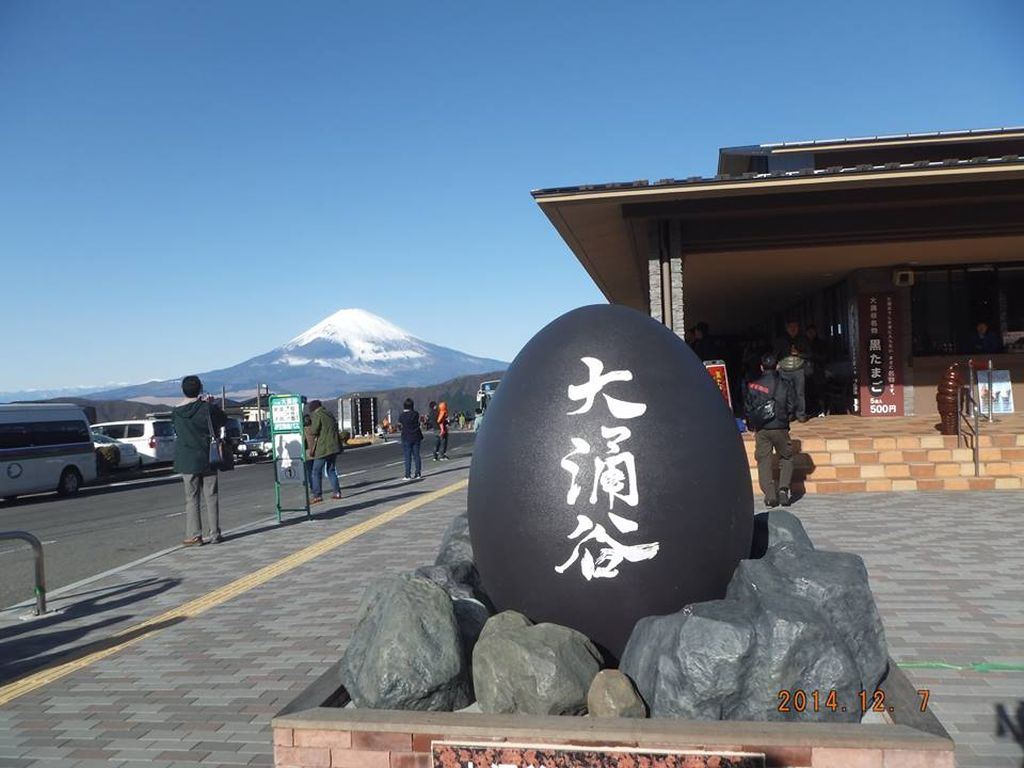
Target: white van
(45, 447)
(153, 438)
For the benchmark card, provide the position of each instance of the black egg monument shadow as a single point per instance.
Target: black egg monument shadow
(609, 481)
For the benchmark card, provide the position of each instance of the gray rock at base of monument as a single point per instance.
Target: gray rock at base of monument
(454, 578)
(505, 622)
(796, 649)
(455, 544)
(774, 528)
(692, 664)
(406, 651)
(542, 669)
(471, 615)
(785, 528)
(835, 585)
(612, 694)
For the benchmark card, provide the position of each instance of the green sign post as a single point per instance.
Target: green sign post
(289, 448)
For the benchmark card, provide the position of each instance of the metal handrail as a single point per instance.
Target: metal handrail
(967, 414)
(37, 548)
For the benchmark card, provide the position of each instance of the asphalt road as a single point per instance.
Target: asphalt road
(107, 526)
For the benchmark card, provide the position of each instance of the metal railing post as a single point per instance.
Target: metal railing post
(990, 398)
(40, 573)
(977, 444)
(959, 416)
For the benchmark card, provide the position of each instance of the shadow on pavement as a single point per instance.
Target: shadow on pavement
(391, 483)
(29, 645)
(437, 472)
(10, 673)
(330, 513)
(336, 512)
(160, 477)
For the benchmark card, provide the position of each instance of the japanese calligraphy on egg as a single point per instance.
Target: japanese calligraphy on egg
(611, 467)
(610, 482)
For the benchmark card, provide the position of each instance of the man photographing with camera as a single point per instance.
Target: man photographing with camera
(197, 421)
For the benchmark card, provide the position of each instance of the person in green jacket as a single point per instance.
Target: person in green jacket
(324, 450)
(192, 422)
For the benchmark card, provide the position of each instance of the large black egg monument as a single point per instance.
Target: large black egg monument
(609, 481)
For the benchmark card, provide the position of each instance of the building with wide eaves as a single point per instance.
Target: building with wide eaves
(895, 247)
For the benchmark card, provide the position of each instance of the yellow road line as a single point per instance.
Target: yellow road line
(202, 604)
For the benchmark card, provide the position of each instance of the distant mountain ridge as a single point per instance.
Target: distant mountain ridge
(50, 393)
(351, 350)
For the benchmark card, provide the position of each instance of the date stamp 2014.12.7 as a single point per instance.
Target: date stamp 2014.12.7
(799, 700)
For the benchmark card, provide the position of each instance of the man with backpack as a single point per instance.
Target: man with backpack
(770, 405)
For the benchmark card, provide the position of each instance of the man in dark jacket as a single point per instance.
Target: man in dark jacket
(412, 436)
(324, 451)
(193, 421)
(792, 352)
(770, 403)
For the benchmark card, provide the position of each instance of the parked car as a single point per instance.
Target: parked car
(128, 456)
(152, 438)
(255, 447)
(44, 448)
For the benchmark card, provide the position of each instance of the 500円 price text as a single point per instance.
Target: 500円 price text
(813, 700)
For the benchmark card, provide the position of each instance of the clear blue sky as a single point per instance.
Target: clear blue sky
(186, 184)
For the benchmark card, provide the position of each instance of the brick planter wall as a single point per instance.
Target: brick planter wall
(310, 735)
(346, 738)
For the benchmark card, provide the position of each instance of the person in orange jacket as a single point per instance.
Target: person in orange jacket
(441, 444)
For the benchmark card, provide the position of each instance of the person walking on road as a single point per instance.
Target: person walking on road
(431, 419)
(441, 444)
(412, 436)
(196, 422)
(325, 449)
(770, 404)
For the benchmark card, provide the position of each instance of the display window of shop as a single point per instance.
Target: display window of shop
(968, 309)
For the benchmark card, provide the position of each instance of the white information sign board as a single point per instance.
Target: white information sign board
(289, 450)
(286, 414)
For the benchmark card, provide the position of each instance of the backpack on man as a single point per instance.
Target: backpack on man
(766, 410)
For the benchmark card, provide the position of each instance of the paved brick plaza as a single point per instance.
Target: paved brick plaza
(946, 568)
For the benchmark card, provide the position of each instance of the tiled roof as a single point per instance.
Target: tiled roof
(993, 132)
(1010, 160)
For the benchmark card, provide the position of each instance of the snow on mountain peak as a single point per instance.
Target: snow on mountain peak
(351, 327)
(361, 338)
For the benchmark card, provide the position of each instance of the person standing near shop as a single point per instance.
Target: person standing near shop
(325, 449)
(814, 374)
(769, 404)
(791, 352)
(196, 422)
(412, 436)
(984, 340)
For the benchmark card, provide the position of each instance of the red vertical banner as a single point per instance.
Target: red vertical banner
(879, 355)
(718, 372)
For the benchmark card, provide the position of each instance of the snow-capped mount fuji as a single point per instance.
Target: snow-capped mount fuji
(348, 351)
(356, 341)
